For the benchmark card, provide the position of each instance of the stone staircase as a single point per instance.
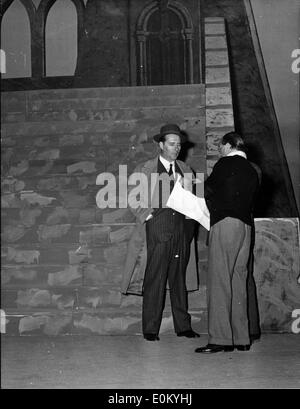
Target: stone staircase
(62, 256)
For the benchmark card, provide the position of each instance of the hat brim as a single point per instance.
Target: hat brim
(158, 137)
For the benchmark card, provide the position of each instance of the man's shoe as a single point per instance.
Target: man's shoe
(242, 347)
(188, 334)
(212, 348)
(151, 337)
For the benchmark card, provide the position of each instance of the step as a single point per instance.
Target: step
(93, 234)
(160, 110)
(89, 322)
(109, 94)
(73, 153)
(51, 215)
(58, 255)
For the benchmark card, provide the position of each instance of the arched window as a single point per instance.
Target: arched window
(165, 52)
(16, 43)
(61, 39)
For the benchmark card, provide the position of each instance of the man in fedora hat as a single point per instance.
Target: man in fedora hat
(160, 247)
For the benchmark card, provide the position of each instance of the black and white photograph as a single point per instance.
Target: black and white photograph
(150, 197)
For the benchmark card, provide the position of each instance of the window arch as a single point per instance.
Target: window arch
(165, 48)
(16, 44)
(61, 39)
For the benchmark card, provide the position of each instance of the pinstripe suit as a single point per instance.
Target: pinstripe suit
(167, 258)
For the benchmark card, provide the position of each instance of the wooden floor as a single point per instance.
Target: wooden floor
(130, 362)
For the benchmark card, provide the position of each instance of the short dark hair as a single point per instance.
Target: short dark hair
(235, 141)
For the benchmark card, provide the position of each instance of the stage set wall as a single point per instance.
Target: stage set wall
(62, 256)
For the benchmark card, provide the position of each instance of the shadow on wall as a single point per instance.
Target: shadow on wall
(268, 186)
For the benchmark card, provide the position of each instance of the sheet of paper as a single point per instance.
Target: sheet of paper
(190, 205)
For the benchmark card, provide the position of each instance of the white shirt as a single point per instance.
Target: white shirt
(167, 164)
(239, 153)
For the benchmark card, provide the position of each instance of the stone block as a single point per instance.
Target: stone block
(58, 216)
(14, 255)
(10, 201)
(52, 232)
(69, 275)
(64, 299)
(75, 199)
(116, 254)
(118, 216)
(36, 253)
(12, 234)
(217, 75)
(105, 325)
(32, 323)
(48, 323)
(28, 217)
(219, 118)
(99, 298)
(218, 96)
(215, 28)
(28, 276)
(80, 256)
(18, 275)
(82, 167)
(214, 19)
(71, 140)
(95, 235)
(33, 297)
(215, 42)
(95, 275)
(18, 170)
(216, 58)
(12, 185)
(58, 324)
(87, 216)
(34, 198)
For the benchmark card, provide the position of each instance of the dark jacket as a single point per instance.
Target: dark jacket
(230, 189)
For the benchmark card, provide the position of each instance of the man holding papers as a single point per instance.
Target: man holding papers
(229, 193)
(167, 249)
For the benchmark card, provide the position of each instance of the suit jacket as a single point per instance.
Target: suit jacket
(230, 189)
(137, 249)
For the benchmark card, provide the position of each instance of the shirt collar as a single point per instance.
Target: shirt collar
(166, 163)
(238, 153)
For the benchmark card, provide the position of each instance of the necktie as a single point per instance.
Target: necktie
(171, 170)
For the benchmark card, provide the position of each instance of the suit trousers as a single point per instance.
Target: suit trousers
(167, 258)
(229, 249)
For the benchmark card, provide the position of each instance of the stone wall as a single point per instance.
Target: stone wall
(62, 257)
(219, 109)
(277, 272)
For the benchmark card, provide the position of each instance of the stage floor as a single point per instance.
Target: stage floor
(129, 362)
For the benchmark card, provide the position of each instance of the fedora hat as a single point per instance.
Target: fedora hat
(169, 129)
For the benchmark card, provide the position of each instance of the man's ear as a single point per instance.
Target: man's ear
(161, 145)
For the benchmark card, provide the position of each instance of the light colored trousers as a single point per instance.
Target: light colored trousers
(229, 247)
